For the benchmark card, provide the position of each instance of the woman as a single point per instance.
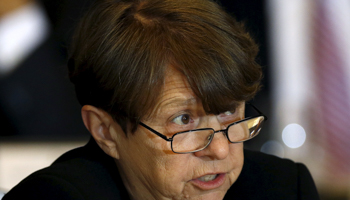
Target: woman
(163, 85)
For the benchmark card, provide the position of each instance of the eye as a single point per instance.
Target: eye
(229, 112)
(228, 117)
(182, 119)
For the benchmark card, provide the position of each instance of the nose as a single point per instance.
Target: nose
(218, 149)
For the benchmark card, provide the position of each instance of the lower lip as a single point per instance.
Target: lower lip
(217, 182)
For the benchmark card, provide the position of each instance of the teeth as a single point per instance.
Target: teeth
(207, 178)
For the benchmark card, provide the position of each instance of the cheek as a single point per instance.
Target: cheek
(173, 172)
(236, 152)
(158, 165)
(236, 160)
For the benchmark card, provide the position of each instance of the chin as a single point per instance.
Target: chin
(198, 194)
(217, 195)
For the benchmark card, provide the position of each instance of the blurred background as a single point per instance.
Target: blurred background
(304, 51)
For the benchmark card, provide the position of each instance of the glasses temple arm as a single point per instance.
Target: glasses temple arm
(155, 132)
(256, 109)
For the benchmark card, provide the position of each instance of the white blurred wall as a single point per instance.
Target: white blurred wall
(291, 35)
(19, 159)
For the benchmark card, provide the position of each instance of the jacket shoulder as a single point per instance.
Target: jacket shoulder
(44, 186)
(82, 173)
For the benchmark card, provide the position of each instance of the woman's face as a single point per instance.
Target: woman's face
(149, 168)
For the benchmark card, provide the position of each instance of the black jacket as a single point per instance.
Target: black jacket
(88, 173)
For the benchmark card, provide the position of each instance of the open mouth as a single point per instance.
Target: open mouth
(208, 178)
(210, 181)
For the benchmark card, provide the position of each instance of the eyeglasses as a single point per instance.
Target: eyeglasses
(199, 139)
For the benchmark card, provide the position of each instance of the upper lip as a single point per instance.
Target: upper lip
(210, 173)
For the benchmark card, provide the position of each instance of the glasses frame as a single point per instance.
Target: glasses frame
(225, 131)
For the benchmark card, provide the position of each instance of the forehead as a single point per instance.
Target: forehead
(176, 89)
(175, 92)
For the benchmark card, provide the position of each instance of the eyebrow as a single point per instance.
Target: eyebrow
(166, 103)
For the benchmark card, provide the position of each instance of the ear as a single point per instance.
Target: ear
(99, 124)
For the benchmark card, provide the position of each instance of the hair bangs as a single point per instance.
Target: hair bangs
(220, 72)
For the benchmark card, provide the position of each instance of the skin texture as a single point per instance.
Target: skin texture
(150, 170)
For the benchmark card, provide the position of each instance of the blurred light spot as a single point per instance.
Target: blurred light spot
(273, 148)
(293, 135)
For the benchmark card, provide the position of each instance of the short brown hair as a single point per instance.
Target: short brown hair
(122, 49)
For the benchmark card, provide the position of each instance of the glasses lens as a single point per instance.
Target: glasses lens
(191, 141)
(245, 130)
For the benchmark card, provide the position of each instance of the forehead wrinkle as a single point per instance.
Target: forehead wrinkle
(174, 101)
(177, 101)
